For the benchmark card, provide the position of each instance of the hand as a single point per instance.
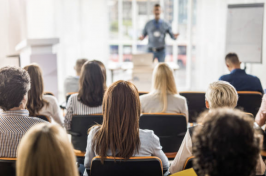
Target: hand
(261, 119)
(141, 37)
(176, 35)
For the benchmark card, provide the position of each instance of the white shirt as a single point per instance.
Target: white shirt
(52, 110)
(75, 107)
(151, 103)
(185, 151)
(149, 146)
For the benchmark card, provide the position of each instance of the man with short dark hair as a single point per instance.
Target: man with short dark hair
(238, 77)
(14, 118)
(156, 30)
(72, 82)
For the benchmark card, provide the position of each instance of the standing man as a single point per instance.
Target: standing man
(156, 30)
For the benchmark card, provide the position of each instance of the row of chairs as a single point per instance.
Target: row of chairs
(248, 101)
(170, 128)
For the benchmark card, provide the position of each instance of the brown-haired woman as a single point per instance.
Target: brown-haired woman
(45, 150)
(90, 96)
(119, 135)
(38, 103)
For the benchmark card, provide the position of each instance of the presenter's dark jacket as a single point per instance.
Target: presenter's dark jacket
(243, 81)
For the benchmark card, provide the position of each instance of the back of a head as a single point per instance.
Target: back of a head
(14, 85)
(92, 84)
(120, 128)
(225, 144)
(35, 95)
(232, 58)
(221, 94)
(163, 82)
(79, 64)
(45, 150)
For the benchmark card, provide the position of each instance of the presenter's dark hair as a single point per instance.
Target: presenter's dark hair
(232, 57)
(35, 96)
(157, 5)
(14, 85)
(225, 144)
(92, 84)
(119, 131)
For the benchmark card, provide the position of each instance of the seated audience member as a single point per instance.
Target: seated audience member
(38, 103)
(45, 150)
(219, 94)
(119, 135)
(238, 77)
(225, 144)
(14, 118)
(261, 115)
(164, 96)
(72, 82)
(89, 98)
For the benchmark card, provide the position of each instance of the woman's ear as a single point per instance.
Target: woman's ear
(207, 104)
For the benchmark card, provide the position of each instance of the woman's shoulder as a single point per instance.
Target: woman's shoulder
(146, 133)
(179, 97)
(50, 98)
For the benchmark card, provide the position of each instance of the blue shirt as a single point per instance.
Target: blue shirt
(156, 31)
(243, 81)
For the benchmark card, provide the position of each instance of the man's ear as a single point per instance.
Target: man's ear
(227, 65)
(207, 104)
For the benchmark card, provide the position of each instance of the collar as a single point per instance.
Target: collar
(238, 70)
(23, 112)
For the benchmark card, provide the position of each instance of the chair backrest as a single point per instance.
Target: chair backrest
(43, 117)
(8, 166)
(249, 101)
(79, 129)
(196, 104)
(48, 93)
(170, 128)
(189, 163)
(143, 93)
(69, 94)
(140, 166)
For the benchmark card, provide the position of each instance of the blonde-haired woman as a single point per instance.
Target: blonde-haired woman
(45, 150)
(164, 96)
(219, 94)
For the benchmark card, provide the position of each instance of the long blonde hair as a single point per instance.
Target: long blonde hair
(45, 150)
(163, 82)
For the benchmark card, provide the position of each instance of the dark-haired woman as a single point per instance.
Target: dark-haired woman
(90, 96)
(119, 135)
(38, 103)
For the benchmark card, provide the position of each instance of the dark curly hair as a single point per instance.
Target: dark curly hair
(225, 144)
(14, 84)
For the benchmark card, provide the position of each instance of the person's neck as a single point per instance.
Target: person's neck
(235, 67)
(157, 18)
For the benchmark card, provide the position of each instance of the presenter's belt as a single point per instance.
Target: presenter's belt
(157, 49)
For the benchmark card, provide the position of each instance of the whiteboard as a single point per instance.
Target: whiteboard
(244, 33)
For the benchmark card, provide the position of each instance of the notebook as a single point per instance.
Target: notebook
(188, 172)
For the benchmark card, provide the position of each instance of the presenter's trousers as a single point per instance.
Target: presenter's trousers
(160, 55)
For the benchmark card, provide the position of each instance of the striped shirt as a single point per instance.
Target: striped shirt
(13, 125)
(75, 107)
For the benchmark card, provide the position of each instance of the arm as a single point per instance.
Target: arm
(261, 115)
(57, 116)
(69, 114)
(157, 151)
(170, 32)
(260, 168)
(89, 155)
(183, 153)
(185, 109)
(144, 32)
